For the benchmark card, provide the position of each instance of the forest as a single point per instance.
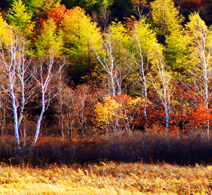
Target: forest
(105, 97)
(106, 74)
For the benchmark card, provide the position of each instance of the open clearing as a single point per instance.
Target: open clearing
(106, 178)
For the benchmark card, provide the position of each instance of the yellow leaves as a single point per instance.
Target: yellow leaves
(196, 26)
(144, 34)
(107, 110)
(49, 42)
(200, 45)
(43, 6)
(79, 29)
(165, 16)
(113, 112)
(20, 18)
(198, 33)
(4, 31)
(117, 39)
(118, 33)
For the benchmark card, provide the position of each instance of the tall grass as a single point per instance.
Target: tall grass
(109, 178)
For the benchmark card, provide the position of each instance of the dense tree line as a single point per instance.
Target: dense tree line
(88, 67)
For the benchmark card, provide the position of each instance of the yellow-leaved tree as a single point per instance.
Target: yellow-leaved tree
(4, 31)
(20, 18)
(165, 16)
(162, 81)
(113, 56)
(50, 40)
(167, 23)
(80, 34)
(40, 7)
(116, 114)
(200, 47)
(49, 45)
(143, 41)
(108, 114)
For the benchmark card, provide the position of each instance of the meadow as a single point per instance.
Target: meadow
(136, 164)
(106, 178)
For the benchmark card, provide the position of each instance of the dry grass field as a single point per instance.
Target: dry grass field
(106, 178)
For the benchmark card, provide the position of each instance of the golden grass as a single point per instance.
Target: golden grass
(106, 178)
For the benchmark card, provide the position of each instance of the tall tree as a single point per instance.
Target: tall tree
(79, 34)
(113, 55)
(167, 22)
(15, 64)
(161, 79)
(50, 39)
(200, 38)
(49, 46)
(20, 18)
(165, 18)
(143, 43)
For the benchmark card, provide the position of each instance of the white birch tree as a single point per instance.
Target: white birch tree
(162, 82)
(14, 60)
(49, 46)
(45, 74)
(200, 38)
(143, 42)
(113, 54)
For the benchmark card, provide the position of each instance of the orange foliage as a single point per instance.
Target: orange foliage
(57, 14)
(191, 112)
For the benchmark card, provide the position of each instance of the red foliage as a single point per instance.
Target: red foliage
(191, 112)
(57, 14)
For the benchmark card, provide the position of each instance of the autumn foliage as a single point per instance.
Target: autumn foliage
(105, 97)
(73, 74)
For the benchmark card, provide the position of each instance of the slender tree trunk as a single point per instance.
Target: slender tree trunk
(15, 114)
(24, 132)
(38, 123)
(145, 106)
(167, 120)
(61, 125)
(22, 104)
(142, 76)
(2, 117)
(112, 85)
(206, 95)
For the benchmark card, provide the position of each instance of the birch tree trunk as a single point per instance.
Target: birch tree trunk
(163, 86)
(14, 61)
(201, 43)
(45, 77)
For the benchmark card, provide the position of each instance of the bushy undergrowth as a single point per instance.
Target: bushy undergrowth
(145, 147)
